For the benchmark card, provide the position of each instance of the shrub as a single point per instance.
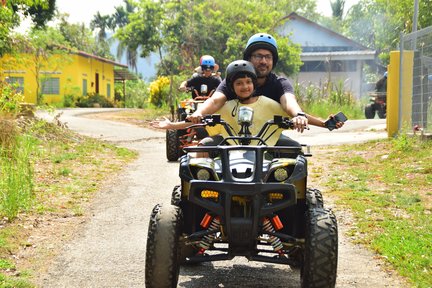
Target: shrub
(94, 100)
(159, 90)
(10, 99)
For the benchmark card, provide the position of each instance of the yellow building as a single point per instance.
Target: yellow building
(69, 74)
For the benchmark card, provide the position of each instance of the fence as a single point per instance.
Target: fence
(421, 107)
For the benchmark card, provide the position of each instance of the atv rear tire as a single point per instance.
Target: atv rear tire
(319, 267)
(162, 267)
(370, 111)
(172, 145)
(382, 113)
(314, 198)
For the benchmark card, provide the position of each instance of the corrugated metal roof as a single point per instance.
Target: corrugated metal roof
(337, 55)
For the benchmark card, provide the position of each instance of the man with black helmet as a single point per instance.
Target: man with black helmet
(261, 51)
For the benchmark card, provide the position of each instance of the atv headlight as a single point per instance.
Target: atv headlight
(209, 194)
(203, 174)
(275, 196)
(280, 174)
(245, 115)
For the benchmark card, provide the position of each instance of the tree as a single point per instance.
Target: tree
(39, 11)
(338, 8)
(378, 23)
(80, 37)
(120, 19)
(184, 30)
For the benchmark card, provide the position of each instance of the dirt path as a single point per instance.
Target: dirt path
(109, 248)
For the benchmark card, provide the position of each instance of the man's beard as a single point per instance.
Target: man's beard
(262, 74)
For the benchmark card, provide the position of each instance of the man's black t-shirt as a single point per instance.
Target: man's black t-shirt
(196, 82)
(274, 87)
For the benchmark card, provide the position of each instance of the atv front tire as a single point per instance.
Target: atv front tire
(314, 198)
(319, 267)
(172, 145)
(162, 267)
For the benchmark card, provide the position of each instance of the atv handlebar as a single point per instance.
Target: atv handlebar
(215, 119)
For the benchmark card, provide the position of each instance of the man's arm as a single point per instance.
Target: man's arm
(291, 107)
(183, 86)
(210, 106)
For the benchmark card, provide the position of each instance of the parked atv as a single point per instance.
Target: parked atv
(378, 102)
(246, 199)
(176, 140)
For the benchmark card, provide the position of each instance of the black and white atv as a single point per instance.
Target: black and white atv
(246, 199)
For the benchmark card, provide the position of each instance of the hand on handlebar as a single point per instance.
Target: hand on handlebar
(195, 118)
(300, 123)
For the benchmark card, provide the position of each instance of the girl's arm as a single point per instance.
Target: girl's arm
(167, 124)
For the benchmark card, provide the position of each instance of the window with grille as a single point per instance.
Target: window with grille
(51, 86)
(108, 90)
(84, 87)
(17, 82)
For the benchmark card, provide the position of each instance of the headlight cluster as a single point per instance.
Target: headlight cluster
(281, 174)
(274, 197)
(203, 174)
(210, 194)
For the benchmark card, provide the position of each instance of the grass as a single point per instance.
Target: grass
(388, 186)
(63, 170)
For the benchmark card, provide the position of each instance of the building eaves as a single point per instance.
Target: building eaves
(339, 55)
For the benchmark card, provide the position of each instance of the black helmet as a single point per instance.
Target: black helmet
(238, 69)
(261, 41)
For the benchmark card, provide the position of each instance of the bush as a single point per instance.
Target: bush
(9, 99)
(94, 100)
(159, 90)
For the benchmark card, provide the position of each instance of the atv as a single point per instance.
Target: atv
(176, 140)
(243, 198)
(378, 103)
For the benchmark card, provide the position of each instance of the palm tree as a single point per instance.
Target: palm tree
(337, 8)
(102, 23)
(119, 19)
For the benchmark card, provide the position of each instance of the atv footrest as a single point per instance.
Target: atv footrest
(208, 258)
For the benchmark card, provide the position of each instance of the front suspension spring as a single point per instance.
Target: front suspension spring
(207, 240)
(274, 241)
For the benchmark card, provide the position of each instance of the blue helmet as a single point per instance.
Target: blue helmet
(207, 62)
(261, 41)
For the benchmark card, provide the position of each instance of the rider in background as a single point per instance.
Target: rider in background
(205, 84)
(381, 84)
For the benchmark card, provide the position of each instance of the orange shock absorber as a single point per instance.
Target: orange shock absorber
(274, 241)
(277, 223)
(207, 240)
(205, 222)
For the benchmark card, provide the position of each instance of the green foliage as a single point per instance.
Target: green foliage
(391, 203)
(159, 90)
(9, 99)
(328, 99)
(137, 94)
(94, 100)
(40, 12)
(183, 31)
(16, 170)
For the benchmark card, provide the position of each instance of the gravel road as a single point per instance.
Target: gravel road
(109, 250)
